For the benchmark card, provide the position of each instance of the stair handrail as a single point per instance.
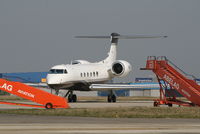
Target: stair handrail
(186, 74)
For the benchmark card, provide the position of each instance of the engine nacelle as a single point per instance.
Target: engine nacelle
(121, 68)
(80, 62)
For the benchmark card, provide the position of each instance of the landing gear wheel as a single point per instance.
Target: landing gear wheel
(72, 98)
(111, 98)
(49, 106)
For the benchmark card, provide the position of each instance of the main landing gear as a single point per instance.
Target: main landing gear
(112, 97)
(71, 97)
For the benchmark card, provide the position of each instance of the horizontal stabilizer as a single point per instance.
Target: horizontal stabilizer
(95, 37)
(118, 36)
(138, 37)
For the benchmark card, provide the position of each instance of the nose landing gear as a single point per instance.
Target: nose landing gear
(71, 97)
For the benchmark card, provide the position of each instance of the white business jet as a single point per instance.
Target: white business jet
(82, 75)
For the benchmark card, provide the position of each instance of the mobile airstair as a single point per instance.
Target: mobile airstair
(44, 99)
(171, 78)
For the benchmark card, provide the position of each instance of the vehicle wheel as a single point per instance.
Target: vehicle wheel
(169, 105)
(155, 104)
(74, 98)
(48, 106)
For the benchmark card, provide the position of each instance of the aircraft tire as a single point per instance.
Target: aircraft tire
(109, 98)
(74, 98)
(114, 98)
(70, 98)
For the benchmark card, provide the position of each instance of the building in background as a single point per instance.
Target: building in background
(28, 77)
(143, 80)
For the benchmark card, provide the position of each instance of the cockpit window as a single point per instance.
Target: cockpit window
(65, 71)
(58, 71)
(75, 62)
(52, 71)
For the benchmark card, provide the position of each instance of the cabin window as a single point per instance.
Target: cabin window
(90, 74)
(87, 74)
(65, 71)
(81, 75)
(84, 75)
(94, 74)
(97, 74)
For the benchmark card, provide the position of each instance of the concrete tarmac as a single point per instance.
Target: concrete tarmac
(119, 104)
(87, 104)
(31, 124)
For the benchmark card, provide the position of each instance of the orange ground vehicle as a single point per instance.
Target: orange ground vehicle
(45, 99)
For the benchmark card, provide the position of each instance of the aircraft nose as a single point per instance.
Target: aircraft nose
(52, 80)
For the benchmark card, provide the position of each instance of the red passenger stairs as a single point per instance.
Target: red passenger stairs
(45, 99)
(170, 78)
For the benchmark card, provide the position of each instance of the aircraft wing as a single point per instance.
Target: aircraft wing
(132, 86)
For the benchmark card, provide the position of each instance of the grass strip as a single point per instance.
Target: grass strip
(133, 112)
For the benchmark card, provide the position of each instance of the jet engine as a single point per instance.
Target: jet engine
(121, 68)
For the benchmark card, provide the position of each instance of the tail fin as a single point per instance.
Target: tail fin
(112, 54)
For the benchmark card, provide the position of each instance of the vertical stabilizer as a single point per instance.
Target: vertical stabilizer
(112, 54)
